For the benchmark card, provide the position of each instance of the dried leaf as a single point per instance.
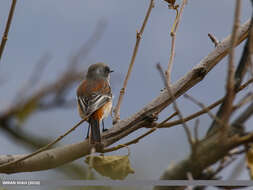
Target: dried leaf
(115, 167)
(170, 1)
(250, 161)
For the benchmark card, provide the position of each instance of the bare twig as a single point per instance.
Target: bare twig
(56, 90)
(58, 156)
(43, 148)
(167, 85)
(238, 78)
(173, 41)
(245, 115)
(213, 39)
(7, 27)
(246, 99)
(207, 155)
(205, 108)
(72, 170)
(136, 47)
(224, 163)
(136, 140)
(231, 69)
(203, 111)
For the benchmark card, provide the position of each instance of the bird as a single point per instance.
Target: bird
(94, 99)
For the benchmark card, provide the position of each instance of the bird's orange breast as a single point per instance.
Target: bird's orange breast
(103, 111)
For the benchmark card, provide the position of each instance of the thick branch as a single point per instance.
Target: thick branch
(209, 151)
(58, 156)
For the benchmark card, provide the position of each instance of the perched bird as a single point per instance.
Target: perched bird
(94, 98)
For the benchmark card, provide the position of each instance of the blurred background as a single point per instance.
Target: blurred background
(60, 32)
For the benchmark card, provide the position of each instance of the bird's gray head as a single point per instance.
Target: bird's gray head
(98, 71)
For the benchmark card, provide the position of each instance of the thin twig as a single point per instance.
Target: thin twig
(136, 140)
(213, 39)
(44, 147)
(32, 142)
(136, 47)
(245, 115)
(134, 122)
(203, 111)
(223, 164)
(231, 68)
(173, 41)
(167, 85)
(7, 27)
(246, 99)
(205, 108)
(238, 78)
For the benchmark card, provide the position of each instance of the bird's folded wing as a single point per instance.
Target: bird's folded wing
(90, 104)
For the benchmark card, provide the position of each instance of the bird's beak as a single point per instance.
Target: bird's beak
(111, 71)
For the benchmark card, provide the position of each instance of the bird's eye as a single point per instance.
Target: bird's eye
(107, 69)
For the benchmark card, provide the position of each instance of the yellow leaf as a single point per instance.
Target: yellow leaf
(114, 167)
(26, 111)
(250, 161)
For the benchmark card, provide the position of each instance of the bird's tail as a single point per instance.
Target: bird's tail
(95, 131)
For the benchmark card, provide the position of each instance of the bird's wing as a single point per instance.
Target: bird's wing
(94, 98)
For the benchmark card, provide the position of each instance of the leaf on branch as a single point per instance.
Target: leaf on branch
(172, 4)
(170, 1)
(114, 167)
(26, 111)
(250, 160)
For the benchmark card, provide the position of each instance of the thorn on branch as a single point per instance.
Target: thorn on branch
(213, 39)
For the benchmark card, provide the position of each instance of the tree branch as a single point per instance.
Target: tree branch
(7, 27)
(175, 106)
(173, 40)
(228, 102)
(136, 47)
(58, 156)
(238, 77)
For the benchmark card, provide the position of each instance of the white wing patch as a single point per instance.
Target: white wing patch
(89, 105)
